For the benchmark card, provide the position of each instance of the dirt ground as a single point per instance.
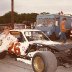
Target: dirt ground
(10, 65)
(63, 69)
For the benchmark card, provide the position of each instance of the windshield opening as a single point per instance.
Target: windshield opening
(18, 35)
(35, 35)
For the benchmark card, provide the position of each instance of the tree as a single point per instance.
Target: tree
(18, 18)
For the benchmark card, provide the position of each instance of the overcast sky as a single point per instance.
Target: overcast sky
(37, 6)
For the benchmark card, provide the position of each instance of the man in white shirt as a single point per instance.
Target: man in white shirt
(7, 39)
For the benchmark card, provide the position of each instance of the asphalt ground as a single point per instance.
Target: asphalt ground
(11, 65)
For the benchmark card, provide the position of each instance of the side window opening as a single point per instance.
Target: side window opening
(18, 35)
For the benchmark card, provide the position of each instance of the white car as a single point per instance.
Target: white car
(33, 44)
(36, 46)
(28, 38)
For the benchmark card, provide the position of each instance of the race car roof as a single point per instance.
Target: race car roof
(25, 30)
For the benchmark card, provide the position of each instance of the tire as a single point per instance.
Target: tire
(2, 55)
(44, 61)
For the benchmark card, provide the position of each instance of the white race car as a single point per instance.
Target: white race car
(34, 45)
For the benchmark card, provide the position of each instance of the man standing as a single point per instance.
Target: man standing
(63, 30)
(6, 39)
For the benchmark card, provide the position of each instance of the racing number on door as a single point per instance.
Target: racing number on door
(16, 48)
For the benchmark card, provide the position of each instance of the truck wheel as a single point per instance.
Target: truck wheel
(44, 61)
(2, 55)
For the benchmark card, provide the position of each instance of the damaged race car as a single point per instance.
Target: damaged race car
(36, 46)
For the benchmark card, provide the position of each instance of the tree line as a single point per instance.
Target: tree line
(18, 18)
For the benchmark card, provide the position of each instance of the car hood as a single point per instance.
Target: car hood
(45, 42)
(53, 44)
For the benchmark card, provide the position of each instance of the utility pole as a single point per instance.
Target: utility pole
(12, 13)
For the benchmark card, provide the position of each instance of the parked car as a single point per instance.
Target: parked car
(36, 46)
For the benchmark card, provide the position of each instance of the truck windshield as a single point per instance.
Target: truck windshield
(35, 35)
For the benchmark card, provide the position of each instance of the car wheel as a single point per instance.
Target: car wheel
(2, 55)
(44, 61)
